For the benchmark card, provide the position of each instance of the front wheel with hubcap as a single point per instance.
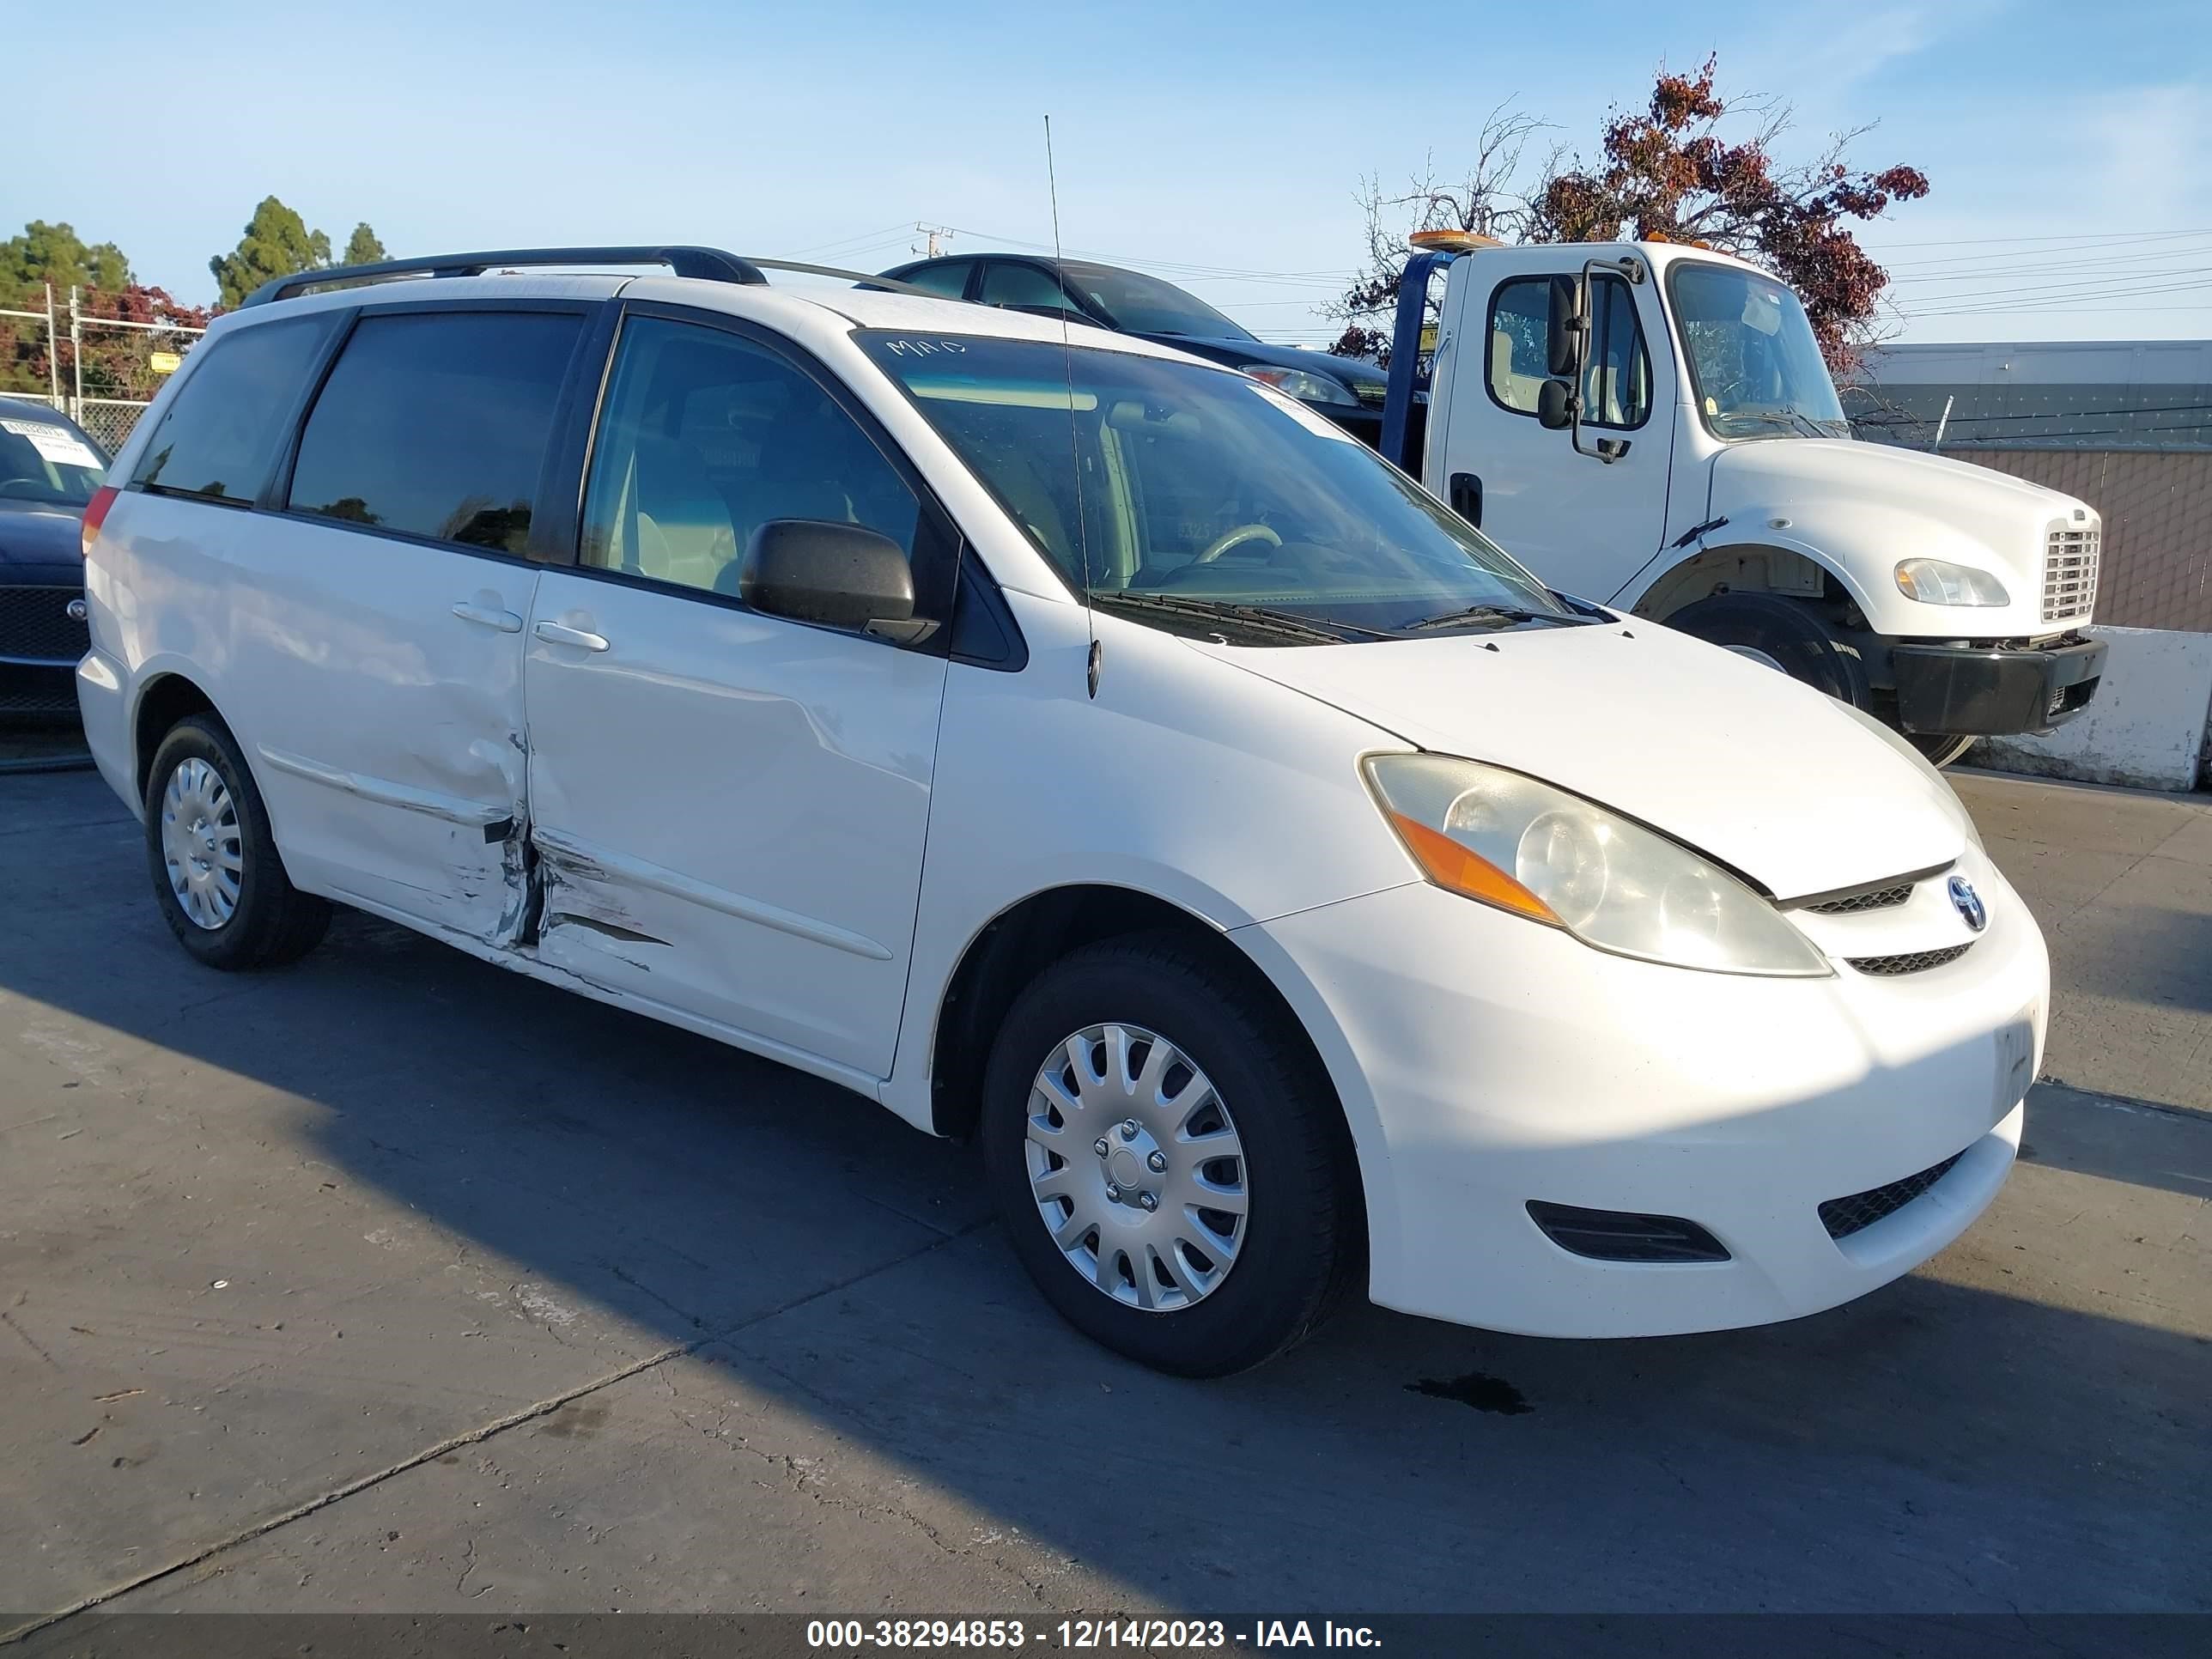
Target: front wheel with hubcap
(1172, 1170)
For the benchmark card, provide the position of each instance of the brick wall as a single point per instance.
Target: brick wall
(2157, 509)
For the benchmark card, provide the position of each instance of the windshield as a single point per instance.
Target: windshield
(45, 462)
(1203, 501)
(1146, 305)
(1758, 368)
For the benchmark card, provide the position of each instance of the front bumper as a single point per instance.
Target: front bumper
(1485, 1062)
(1965, 691)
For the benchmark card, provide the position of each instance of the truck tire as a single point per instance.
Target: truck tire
(1940, 748)
(1790, 635)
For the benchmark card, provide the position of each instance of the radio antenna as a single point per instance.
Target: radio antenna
(1074, 441)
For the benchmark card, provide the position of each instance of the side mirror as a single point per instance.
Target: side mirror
(1555, 406)
(1566, 329)
(838, 575)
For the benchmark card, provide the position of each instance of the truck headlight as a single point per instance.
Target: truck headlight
(1508, 841)
(1303, 384)
(1938, 581)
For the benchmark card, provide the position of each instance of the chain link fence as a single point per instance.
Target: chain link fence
(97, 356)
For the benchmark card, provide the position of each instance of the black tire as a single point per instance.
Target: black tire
(1304, 1238)
(1792, 633)
(273, 922)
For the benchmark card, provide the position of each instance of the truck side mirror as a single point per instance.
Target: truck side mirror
(1567, 329)
(1555, 410)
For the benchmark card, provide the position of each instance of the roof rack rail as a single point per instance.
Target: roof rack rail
(710, 263)
(707, 262)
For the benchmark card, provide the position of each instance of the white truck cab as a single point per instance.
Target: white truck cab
(1652, 426)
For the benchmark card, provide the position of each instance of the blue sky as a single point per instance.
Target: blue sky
(1221, 144)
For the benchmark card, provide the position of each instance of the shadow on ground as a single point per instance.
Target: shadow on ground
(1938, 1445)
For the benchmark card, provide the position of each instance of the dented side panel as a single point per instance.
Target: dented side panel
(386, 729)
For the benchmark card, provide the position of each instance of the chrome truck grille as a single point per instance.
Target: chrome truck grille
(2070, 572)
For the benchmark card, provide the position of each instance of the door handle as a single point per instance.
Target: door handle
(554, 633)
(488, 615)
(1467, 497)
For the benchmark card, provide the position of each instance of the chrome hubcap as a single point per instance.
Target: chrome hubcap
(201, 847)
(1136, 1167)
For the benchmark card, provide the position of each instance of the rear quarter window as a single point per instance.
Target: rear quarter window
(436, 424)
(221, 433)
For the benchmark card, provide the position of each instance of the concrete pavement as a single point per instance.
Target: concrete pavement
(392, 1281)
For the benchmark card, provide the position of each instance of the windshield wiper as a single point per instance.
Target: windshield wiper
(1804, 423)
(1494, 616)
(1263, 618)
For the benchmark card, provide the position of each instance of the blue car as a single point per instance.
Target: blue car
(49, 467)
(1349, 391)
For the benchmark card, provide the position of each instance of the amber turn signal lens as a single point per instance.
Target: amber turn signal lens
(1450, 865)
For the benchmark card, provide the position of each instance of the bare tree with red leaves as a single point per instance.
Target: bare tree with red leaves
(1667, 175)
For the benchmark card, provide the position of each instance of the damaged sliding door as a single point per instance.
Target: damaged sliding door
(381, 613)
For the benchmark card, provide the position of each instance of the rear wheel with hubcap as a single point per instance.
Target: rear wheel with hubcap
(1172, 1170)
(217, 877)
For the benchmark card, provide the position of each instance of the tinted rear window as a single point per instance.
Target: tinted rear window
(224, 427)
(436, 424)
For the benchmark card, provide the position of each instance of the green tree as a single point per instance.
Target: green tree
(276, 243)
(57, 254)
(362, 248)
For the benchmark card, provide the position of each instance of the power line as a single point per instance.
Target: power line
(2069, 236)
(2108, 267)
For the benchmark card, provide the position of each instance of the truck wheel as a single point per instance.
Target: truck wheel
(1788, 633)
(1171, 1171)
(218, 877)
(1940, 750)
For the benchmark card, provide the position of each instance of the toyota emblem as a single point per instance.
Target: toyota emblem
(1968, 903)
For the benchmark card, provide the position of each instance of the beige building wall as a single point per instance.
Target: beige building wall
(2156, 568)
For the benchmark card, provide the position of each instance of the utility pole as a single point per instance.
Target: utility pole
(53, 353)
(933, 247)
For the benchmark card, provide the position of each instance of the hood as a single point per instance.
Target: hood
(41, 535)
(1869, 505)
(1352, 371)
(1730, 757)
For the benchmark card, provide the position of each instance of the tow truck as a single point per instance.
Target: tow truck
(1651, 426)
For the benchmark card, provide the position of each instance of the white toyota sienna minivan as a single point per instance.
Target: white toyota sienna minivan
(1069, 743)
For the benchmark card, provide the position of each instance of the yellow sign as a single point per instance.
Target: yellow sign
(164, 363)
(1429, 338)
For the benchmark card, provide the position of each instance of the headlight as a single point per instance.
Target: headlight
(1301, 383)
(1938, 581)
(1522, 846)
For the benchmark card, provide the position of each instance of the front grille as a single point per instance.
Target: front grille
(2069, 574)
(1622, 1235)
(1851, 904)
(1370, 394)
(1842, 1217)
(36, 693)
(35, 623)
(1916, 962)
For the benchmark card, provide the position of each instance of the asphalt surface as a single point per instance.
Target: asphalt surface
(395, 1282)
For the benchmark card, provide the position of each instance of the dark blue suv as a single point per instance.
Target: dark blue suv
(1349, 391)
